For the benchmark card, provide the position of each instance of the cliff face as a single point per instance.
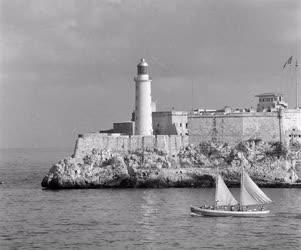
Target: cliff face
(268, 164)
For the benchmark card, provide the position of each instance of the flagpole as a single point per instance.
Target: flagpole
(297, 77)
(289, 63)
(297, 86)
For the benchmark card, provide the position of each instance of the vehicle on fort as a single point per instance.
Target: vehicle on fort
(252, 199)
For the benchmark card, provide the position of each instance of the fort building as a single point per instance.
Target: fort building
(170, 122)
(270, 102)
(281, 125)
(170, 130)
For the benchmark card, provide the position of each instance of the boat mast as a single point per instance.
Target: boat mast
(241, 186)
(216, 186)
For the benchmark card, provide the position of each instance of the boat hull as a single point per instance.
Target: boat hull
(225, 213)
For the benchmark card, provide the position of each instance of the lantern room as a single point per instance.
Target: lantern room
(142, 67)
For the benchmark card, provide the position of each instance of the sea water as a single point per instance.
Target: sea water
(31, 217)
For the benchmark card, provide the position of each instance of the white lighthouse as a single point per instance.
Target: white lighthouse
(143, 102)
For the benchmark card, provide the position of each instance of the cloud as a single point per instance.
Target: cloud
(227, 48)
(185, 37)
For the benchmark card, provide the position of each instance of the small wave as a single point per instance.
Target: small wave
(298, 216)
(289, 215)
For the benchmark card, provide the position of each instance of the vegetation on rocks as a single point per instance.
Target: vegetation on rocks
(269, 164)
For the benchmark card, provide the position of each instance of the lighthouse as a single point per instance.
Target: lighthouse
(143, 101)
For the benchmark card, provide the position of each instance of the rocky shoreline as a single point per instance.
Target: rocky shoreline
(268, 164)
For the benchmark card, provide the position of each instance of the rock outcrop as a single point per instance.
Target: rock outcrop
(268, 164)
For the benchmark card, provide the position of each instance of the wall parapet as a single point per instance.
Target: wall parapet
(233, 115)
(171, 144)
(283, 126)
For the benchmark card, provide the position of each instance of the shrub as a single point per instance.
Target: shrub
(242, 147)
(207, 149)
(295, 145)
(277, 149)
(255, 140)
(88, 159)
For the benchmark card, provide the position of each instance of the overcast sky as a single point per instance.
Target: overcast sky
(67, 67)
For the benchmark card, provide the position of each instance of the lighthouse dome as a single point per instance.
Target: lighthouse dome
(142, 63)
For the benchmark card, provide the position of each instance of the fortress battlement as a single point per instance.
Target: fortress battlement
(170, 130)
(282, 125)
(170, 144)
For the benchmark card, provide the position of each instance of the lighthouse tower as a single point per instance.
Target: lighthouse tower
(143, 102)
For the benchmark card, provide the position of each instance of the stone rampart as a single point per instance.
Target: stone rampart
(291, 125)
(120, 143)
(235, 127)
(216, 128)
(231, 128)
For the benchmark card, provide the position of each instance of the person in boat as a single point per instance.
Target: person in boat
(205, 206)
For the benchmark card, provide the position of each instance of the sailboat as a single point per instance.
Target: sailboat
(252, 199)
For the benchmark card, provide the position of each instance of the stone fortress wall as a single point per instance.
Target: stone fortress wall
(233, 128)
(122, 143)
(230, 128)
(171, 130)
(292, 124)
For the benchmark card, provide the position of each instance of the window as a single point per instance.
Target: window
(186, 125)
(180, 124)
(142, 70)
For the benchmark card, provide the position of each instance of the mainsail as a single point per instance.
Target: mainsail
(223, 196)
(251, 194)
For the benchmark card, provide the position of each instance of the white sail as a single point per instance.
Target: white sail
(223, 196)
(251, 194)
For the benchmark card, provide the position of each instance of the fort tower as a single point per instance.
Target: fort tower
(143, 101)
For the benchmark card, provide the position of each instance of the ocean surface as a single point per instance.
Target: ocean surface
(31, 217)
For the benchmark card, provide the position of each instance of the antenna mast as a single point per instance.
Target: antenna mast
(192, 97)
